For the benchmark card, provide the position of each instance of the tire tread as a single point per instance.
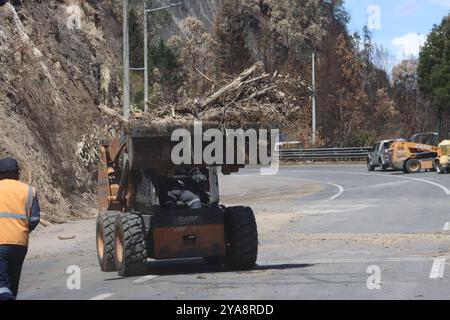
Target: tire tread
(242, 238)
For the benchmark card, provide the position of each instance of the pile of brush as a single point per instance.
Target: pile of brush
(253, 97)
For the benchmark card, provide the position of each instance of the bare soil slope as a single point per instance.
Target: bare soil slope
(57, 61)
(60, 59)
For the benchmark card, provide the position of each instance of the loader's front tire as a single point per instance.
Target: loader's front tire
(105, 241)
(130, 245)
(241, 235)
(413, 166)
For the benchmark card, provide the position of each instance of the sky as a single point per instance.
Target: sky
(401, 26)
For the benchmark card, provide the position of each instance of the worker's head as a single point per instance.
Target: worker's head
(9, 169)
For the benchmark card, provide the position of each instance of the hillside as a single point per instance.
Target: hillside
(50, 83)
(58, 60)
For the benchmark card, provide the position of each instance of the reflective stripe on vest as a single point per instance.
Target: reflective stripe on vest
(6, 290)
(16, 200)
(13, 216)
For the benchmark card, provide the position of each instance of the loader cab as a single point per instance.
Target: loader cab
(431, 138)
(151, 190)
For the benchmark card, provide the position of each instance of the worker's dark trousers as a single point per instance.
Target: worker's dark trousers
(191, 200)
(11, 261)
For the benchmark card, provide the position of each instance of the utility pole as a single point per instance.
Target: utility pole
(126, 62)
(314, 124)
(145, 58)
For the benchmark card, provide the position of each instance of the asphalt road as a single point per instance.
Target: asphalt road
(326, 232)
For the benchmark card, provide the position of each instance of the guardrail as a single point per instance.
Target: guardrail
(337, 154)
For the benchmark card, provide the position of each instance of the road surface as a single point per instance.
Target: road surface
(326, 232)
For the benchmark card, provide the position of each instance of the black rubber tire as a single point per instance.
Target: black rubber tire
(214, 261)
(413, 166)
(370, 166)
(241, 237)
(105, 240)
(383, 167)
(130, 245)
(438, 168)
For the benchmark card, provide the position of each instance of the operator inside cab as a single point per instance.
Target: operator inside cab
(188, 187)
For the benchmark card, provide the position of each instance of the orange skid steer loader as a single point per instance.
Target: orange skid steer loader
(411, 157)
(134, 226)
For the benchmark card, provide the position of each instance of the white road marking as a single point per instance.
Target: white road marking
(103, 296)
(447, 226)
(334, 197)
(144, 279)
(437, 271)
(360, 260)
(447, 191)
(378, 186)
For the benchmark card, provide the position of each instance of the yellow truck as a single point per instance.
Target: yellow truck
(442, 163)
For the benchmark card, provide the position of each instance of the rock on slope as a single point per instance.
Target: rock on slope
(204, 10)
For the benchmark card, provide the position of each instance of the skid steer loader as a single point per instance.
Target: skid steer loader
(412, 157)
(134, 226)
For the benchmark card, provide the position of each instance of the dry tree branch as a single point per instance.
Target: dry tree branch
(113, 113)
(237, 83)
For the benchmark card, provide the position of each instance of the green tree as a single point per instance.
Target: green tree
(230, 33)
(165, 60)
(434, 71)
(415, 112)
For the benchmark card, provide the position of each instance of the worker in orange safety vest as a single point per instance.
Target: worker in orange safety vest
(19, 215)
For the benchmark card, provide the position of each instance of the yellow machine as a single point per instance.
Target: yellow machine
(412, 157)
(442, 163)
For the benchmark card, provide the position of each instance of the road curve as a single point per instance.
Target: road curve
(326, 232)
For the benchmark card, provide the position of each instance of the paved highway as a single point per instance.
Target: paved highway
(326, 232)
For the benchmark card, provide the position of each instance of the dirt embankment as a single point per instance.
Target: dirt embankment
(58, 60)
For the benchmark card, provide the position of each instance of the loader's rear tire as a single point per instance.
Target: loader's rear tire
(105, 240)
(413, 166)
(214, 261)
(130, 245)
(241, 237)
